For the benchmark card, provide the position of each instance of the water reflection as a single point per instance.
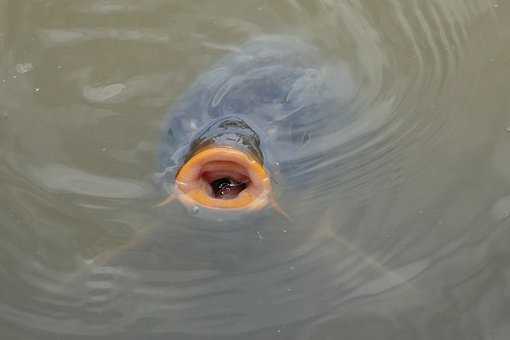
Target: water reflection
(399, 198)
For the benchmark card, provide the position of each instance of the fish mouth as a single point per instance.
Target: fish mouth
(225, 178)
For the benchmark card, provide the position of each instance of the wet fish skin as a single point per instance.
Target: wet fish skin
(230, 131)
(278, 86)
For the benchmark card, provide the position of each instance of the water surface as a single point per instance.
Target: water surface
(400, 204)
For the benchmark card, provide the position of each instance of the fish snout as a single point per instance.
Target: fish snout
(223, 178)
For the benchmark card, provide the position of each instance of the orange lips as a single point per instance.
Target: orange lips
(195, 180)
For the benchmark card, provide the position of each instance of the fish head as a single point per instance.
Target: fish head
(223, 174)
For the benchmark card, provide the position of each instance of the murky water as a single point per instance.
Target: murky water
(400, 202)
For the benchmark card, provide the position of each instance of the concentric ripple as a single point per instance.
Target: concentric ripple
(398, 198)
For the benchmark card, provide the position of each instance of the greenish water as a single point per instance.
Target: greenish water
(401, 232)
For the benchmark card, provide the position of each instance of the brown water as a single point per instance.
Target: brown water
(401, 233)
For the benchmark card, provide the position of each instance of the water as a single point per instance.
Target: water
(400, 225)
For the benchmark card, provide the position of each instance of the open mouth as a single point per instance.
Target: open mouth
(223, 178)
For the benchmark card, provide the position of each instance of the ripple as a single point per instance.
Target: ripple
(394, 202)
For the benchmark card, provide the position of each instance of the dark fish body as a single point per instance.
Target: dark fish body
(274, 98)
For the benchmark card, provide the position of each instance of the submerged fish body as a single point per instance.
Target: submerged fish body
(270, 100)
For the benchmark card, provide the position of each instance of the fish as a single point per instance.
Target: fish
(241, 144)
(226, 138)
